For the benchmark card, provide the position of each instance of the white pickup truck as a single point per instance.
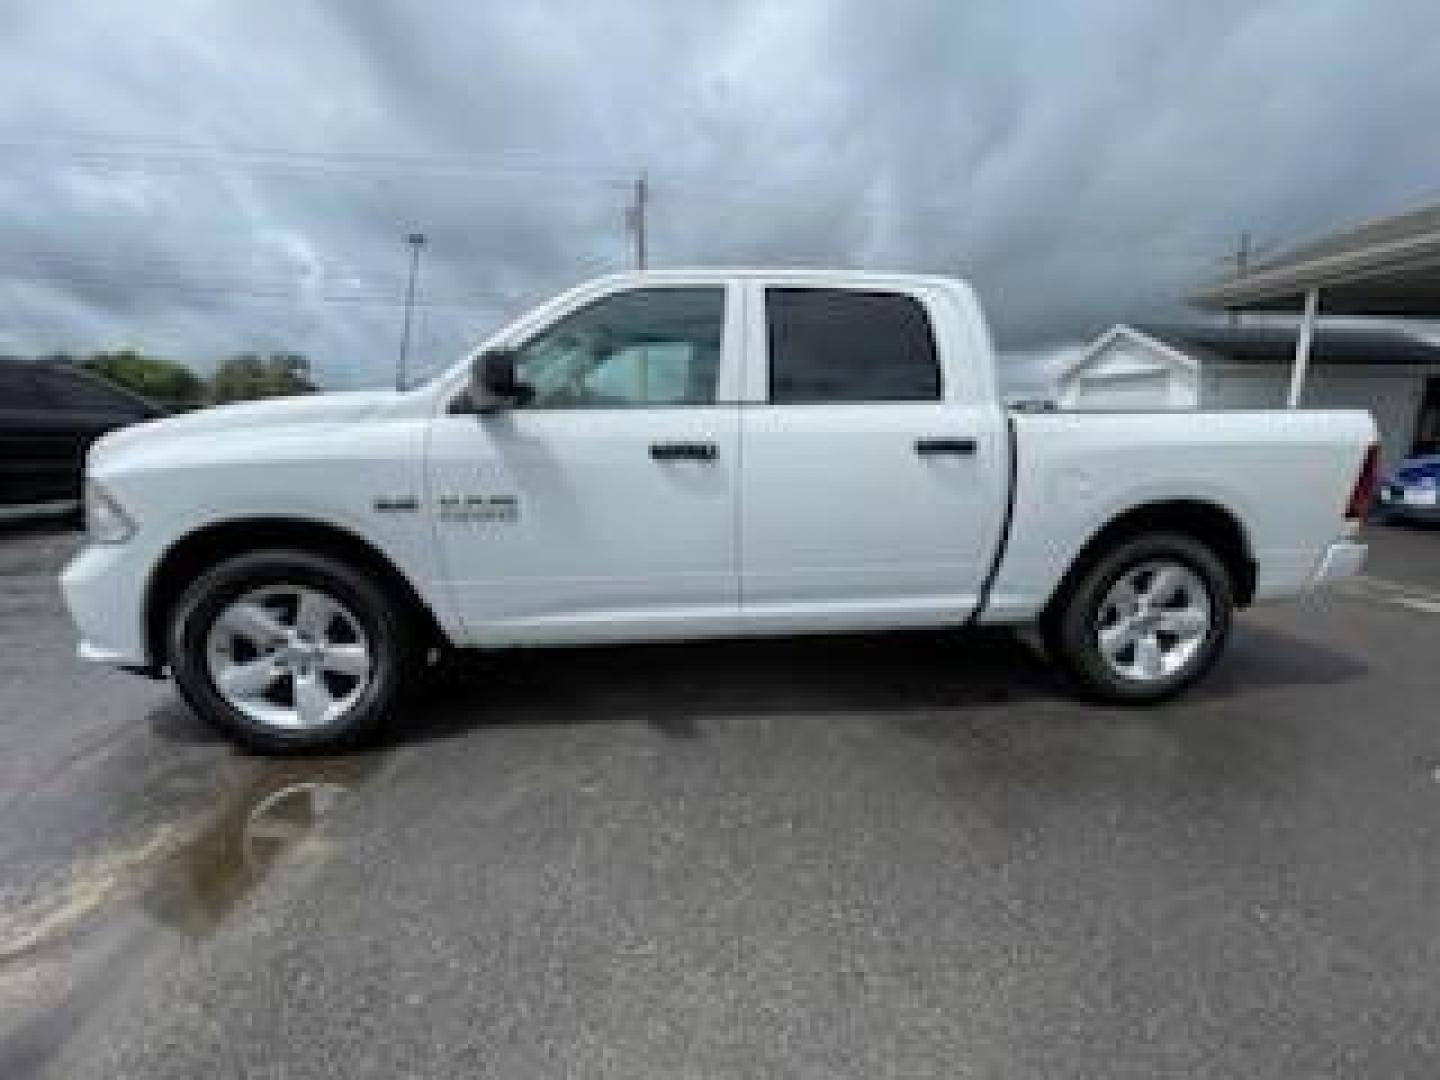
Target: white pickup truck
(688, 456)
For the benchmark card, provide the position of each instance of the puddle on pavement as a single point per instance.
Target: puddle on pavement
(271, 813)
(194, 887)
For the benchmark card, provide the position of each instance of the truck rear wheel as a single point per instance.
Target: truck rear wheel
(1144, 621)
(289, 652)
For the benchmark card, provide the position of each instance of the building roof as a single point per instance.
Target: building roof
(1389, 266)
(1362, 346)
(1153, 345)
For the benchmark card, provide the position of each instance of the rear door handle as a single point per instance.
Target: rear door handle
(684, 451)
(955, 447)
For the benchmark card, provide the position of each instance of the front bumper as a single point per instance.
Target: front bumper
(1342, 559)
(104, 590)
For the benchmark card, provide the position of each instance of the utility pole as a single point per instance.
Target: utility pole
(1242, 265)
(635, 217)
(1245, 252)
(416, 241)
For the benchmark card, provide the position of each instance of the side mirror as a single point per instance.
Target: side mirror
(493, 385)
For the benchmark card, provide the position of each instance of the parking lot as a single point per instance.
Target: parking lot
(902, 856)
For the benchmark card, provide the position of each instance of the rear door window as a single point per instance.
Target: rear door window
(849, 345)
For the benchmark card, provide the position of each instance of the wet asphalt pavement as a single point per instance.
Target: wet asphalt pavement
(904, 856)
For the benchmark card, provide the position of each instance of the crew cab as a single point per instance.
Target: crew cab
(688, 456)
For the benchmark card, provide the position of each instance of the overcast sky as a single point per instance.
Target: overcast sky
(198, 177)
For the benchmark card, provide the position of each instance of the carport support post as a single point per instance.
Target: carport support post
(1302, 348)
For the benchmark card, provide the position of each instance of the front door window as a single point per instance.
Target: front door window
(644, 348)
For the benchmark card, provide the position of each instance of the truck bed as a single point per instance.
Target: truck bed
(1286, 475)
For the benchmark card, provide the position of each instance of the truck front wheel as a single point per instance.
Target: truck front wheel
(1143, 621)
(289, 652)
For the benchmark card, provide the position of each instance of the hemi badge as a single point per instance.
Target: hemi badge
(397, 506)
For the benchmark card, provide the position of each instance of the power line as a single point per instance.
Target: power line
(754, 196)
(149, 151)
(110, 151)
(513, 163)
(75, 274)
(282, 293)
(40, 262)
(106, 149)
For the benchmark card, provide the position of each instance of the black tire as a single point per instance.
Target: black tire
(384, 621)
(1071, 628)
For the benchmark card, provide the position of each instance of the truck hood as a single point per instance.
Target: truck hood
(310, 410)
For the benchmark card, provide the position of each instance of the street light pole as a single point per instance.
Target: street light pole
(416, 241)
(635, 217)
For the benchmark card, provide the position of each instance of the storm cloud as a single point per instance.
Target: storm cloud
(198, 178)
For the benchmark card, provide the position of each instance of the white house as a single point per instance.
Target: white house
(1126, 368)
(1392, 372)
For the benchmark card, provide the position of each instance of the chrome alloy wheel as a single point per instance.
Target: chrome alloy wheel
(1153, 620)
(288, 657)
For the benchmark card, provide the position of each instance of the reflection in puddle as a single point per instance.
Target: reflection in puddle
(276, 809)
(195, 886)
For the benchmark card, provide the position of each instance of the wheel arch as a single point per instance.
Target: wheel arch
(1210, 523)
(206, 546)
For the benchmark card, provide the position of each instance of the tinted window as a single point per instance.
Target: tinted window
(842, 345)
(17, 388)
(646, 347)
(76, 393)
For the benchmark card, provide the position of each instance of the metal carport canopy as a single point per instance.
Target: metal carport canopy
(1388, 267)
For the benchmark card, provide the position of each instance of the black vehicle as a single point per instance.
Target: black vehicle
(49, 416)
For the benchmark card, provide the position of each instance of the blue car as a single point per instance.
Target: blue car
(1411, 492)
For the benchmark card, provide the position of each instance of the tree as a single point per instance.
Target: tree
(162, 381)
(248, 376)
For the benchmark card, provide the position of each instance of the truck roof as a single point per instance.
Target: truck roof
(796, 273)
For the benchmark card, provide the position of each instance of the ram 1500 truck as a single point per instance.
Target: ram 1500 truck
(686, 456)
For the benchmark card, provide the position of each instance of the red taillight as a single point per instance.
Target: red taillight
(1364, 490)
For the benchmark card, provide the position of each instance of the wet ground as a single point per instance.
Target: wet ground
(905, 856)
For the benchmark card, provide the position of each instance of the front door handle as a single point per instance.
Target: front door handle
(684, 451)
(956, 447)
